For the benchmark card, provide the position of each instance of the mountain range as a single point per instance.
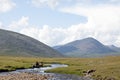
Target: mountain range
(88, 47)
(15, 44)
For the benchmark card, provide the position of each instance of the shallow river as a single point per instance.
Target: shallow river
(56, 76)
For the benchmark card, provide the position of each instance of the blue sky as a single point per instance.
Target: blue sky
(56, 22)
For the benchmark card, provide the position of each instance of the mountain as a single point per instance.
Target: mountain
(15, 44)
(88, 47)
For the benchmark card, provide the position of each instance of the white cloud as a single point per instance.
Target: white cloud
(17, 25)
(6, 5)
(50, 3)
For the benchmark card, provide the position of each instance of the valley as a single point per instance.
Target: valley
(18, 51)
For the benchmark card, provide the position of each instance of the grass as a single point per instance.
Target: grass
(106, 67)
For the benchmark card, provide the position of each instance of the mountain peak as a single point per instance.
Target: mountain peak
(85, 41)
(90, 39)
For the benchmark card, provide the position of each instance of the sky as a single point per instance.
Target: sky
(57, 22)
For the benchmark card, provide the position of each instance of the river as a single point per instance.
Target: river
(56, 76)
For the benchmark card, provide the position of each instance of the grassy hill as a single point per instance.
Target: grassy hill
(15, 44)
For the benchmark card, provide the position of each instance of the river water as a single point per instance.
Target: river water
(55, 76)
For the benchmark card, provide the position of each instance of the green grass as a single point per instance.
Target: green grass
(105, 66)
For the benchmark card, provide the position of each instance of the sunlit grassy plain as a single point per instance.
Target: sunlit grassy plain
(104, 66)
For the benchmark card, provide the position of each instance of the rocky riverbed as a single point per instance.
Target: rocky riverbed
(33, 76)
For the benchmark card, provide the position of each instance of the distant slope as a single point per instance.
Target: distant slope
(88, 47)
(114, 48)
(15, 44)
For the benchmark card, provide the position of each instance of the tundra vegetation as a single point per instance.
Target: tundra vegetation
(106, 67)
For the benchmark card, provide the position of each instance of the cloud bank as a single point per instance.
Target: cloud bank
(103, 21)
(103, 24)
